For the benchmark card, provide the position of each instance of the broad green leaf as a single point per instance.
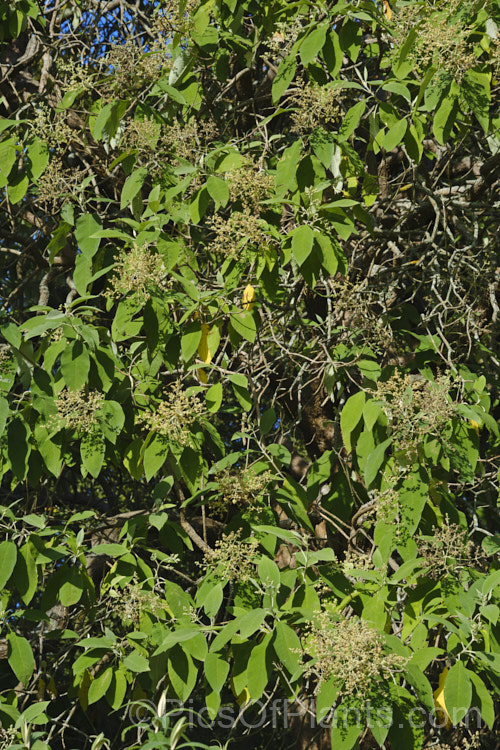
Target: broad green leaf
(86, 226)
(260, 667)
(154, 456)
(214, 397)
(218, 190)
(284, 76)
(190, 340)
(25, 575)
(100, 685)
(75, 365)
(92, 452)
(313, 43)
(18, 446)
(20, 657)
(457, 692)
(136, 662)
(244, 325)
(302, 243)
(8, 558)
(72, 588)
(374, 461)
(117, 690)
(287, 646)
(351, 416)
(111, 420)
(482, 698)
(132, 186)
(216, 671)
(351, 120)
(394, 135)
(269, 573)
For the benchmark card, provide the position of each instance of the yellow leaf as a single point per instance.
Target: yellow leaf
(202, 376)
(249, 297)
(52, 689)
(203, 348)
(387, 10)
(241, 698)
(441, 710)
(474, 425)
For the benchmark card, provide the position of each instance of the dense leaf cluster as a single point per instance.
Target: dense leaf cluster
(249, 376)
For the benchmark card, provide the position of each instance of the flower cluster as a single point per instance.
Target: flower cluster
(283, 39)
(133, 600)
(248, 186)
(235, 234)
(442, 39)
(139, 271)
(134, 66)
(78, 409)
(316, 106)
(447, 550)
(351, 652)
(188, 140)
(240, 488)
(232, 559)
(58, 183)
(172, 21)
(415, 407)
(52, 128)
(174, 416)
(141, 136)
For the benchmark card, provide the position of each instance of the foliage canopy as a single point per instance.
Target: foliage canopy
(249, 375)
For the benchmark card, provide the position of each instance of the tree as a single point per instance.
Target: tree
(249, 439)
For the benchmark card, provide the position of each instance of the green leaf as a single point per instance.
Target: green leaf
(313, 43)
(86, 226)
(132, 186)
(244, 325)
(8, 153)
(20, 657)
(92, 452)
(344, 738)
(213, 397)
(218, 190)
(216, 671)
(269, 573)
(482, 698)
(111, 420)
(287, 646)
(284, 76)
(446, 115)
(302, 243)
(351, 416)
(18, 447)
(38, 155)
(72, 588)
(374, 461)
(351, 120)
(190, 340)
(117, 690)
(457, 692)
(182, 673)
(136, 662)
(25, 576)
(394, 135)
(260, 667)
(100, 685)
(8, 557)
(476, 90)
(155, 455)
(75, 365)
